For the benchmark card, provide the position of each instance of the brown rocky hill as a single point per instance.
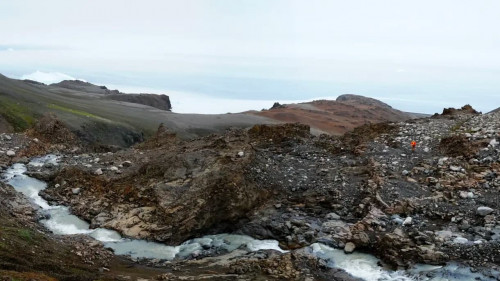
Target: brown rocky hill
(337, 117)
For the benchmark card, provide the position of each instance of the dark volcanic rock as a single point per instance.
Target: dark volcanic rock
(84, 87)
(466, 109)
(153, 100)
(277, 105)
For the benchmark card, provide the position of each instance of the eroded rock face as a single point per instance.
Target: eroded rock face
(172, 192)
(17, 204)
(466, 109)
(52, 130)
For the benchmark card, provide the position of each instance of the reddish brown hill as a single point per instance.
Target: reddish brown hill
(336, 117)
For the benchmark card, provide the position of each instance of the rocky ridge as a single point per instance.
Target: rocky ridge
(157, 101)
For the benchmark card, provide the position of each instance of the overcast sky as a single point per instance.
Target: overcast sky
(415, 55)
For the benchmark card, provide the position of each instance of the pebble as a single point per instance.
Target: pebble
(465, 194)
(332, 216)
(444, 234)
(493, 142)
(483, 211)
(349, 247)
(460, 240)
(10, 153)
(241, 154)
(98, 172)
(407, 221)
(76, 190)
(397, 219)
(442, 160)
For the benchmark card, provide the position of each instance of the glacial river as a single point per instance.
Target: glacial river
(59, 220)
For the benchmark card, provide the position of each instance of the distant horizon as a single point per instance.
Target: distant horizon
(190, 102)
(416, 56)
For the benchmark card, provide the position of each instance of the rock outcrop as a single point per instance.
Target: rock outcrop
(466, 109)
(83, 86)
(173, 192)
(157, 101)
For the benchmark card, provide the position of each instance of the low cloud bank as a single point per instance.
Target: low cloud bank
(48, 77)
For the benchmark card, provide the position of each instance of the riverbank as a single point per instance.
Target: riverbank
(318, 197)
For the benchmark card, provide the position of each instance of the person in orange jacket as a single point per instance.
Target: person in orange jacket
(413, 145)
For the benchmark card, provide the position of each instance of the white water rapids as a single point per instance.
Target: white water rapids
(60, 221)
(364, 266)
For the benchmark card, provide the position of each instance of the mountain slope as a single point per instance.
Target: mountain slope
(97, 118)
(153, 100)
(339, 116)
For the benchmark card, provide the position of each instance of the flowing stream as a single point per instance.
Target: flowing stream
(364, 266)
(60, 221)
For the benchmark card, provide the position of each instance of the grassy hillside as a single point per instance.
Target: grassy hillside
(98, 119)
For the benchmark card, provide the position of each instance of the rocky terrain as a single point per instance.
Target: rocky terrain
(364, 191)
(336, 117)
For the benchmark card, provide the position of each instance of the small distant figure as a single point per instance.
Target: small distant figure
(413, 145)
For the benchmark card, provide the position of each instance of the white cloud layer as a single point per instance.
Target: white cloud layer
(264, 49)
(48, 77)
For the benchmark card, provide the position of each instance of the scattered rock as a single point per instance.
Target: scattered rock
(332, 216)
(493, 143)
(460, 240)
(483, 211)
(349, 247)
(408, 221)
